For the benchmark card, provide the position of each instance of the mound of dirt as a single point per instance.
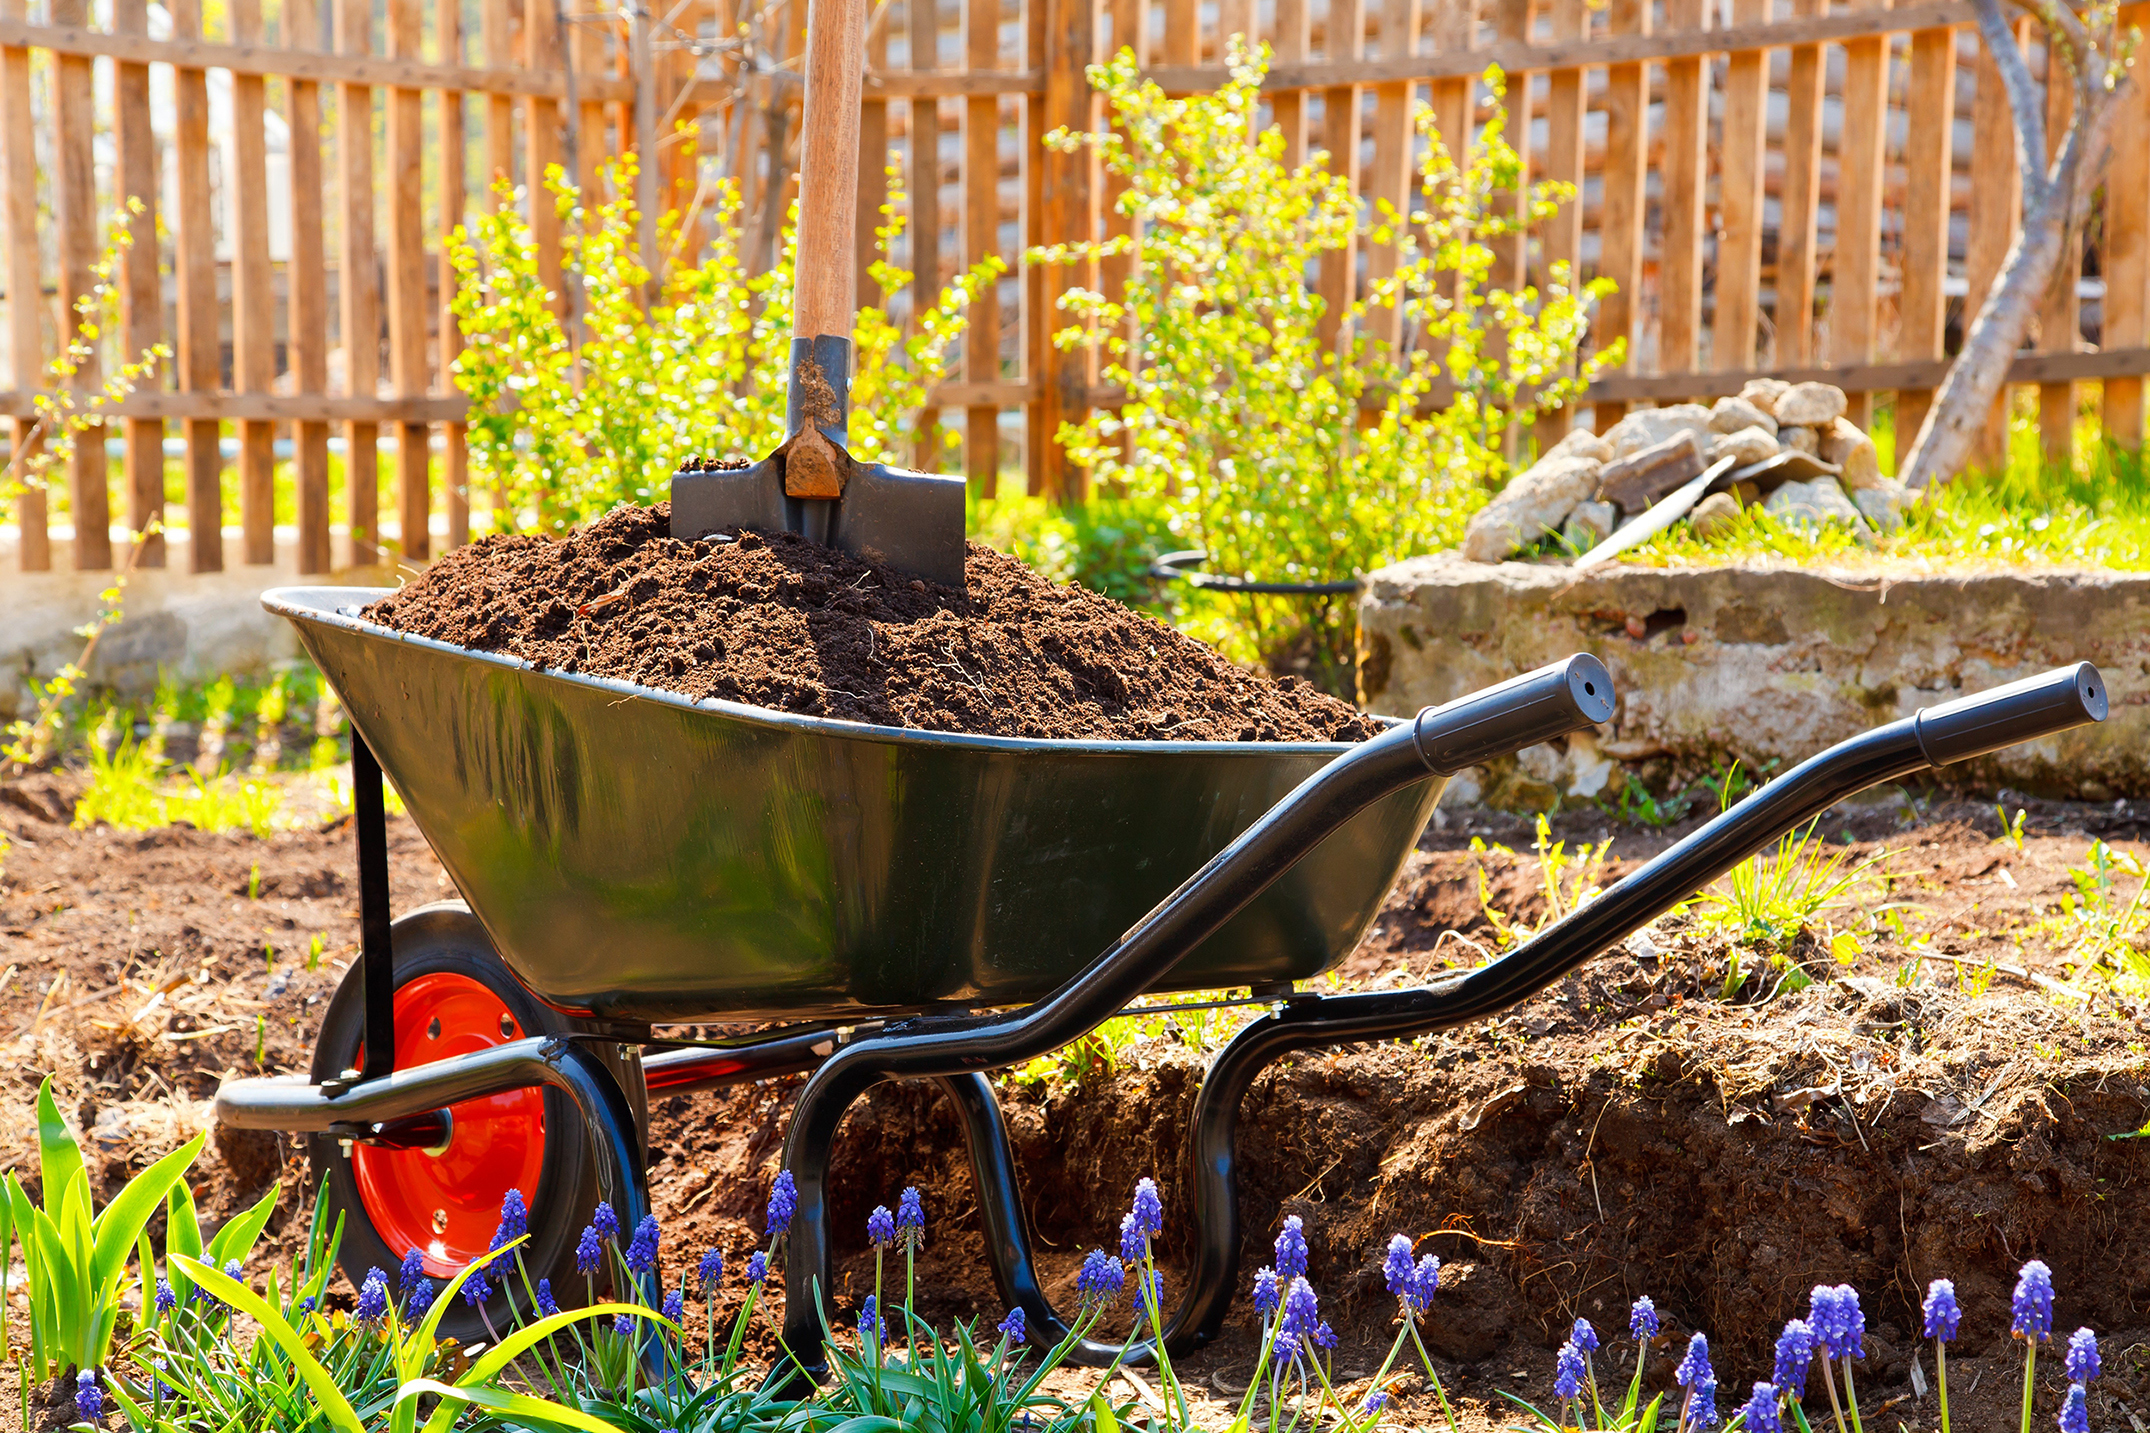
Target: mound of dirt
(772, 620)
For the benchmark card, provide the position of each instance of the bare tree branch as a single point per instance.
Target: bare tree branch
(2025, 105)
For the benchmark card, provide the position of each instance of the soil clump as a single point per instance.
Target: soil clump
(772, 620)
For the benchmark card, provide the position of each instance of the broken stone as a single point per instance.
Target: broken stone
(1800, 439)
(1815, 503)
(1732, 414)
(1715, 514)
(1853, 451)
(1810, 405)
(1581, 443)
(1648, 427)
(1590, 524)
(1748, 445)
(1883, 503)
(1763, 393)
(1535, 503)
(1640, 479)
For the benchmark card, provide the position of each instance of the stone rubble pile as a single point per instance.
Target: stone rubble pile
(1815, 467)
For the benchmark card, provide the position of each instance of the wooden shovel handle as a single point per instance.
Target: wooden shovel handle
(824, 293)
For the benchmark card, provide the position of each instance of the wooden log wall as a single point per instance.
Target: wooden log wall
(1778, 186)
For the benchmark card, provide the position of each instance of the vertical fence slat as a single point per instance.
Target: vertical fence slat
(141, 294)
(1182, 44)
(200, 356)
(1995, 198)
(1287, 109)
(1036, 332)
(358, 285)
(873, 161)
(496, 36)
(1128, 32)
(1627, 121)
(1801, 200)
(253, 299)
(74, 197)
(1337, 278)
(1929, 167)
(925, 167)
(1855, 286)
(18, 152)
(1742, 164)
(587, 49)
(2059, 316)
(306, 311)
(1561, 236)
(541, 148)
(1069, 202)
(454, 194)
(1686, 130)
(981, 240)
(1512, 22)
(407, 308)
(2126, 313)
(1389, 180)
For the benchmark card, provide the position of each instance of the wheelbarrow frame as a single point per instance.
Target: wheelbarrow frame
(382, 1104)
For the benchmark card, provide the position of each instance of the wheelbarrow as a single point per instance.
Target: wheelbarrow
(901, 905)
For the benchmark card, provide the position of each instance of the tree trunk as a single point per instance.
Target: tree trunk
(2053, 203)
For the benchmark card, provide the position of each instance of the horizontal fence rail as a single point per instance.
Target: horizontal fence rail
(1779, 188)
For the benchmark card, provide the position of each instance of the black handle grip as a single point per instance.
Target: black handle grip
(1523, 711)
(2054, 701)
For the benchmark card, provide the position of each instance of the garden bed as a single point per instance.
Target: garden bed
(1627, 1132)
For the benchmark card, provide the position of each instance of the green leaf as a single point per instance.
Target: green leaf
(60, 1158)
(63, 1287)
(274, 1326)
(1101, 1413)
(236, 1239)
(124, 1217)
(501, 1354)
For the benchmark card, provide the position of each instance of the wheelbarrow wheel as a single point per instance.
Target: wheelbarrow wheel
(454, 995)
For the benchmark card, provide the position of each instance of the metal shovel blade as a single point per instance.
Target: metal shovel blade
(891, 517)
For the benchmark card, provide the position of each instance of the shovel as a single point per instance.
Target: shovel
(810, 485)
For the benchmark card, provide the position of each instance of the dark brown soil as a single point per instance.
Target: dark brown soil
(773, 620)
(1626, 1132)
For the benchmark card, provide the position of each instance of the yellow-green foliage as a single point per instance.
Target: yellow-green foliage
(570, 430)
(1289, 459)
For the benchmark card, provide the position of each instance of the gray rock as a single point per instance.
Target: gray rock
(1537, 502)
(1800, 439)
(1763, 393)
(1713, 515)
(1637, 480)
(1581, 443)
(1852, 451)
(1648, 427)
(1732, 414)
(1589, 525)
(1883, 503)
(1814, 503)
(1811, 405)
(1749, 445)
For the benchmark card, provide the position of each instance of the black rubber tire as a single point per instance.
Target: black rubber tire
(447, 938)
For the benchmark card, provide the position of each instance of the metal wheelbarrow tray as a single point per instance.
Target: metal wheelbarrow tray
(638, 856)
(924, 906)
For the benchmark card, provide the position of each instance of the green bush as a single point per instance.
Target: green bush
(568, 430)
(1285, 459)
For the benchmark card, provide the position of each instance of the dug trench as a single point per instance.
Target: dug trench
(1627, 1132)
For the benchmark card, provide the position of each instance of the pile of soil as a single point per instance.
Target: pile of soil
(772, 620)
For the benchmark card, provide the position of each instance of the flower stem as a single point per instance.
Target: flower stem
(1836, 1405)
(1435, 1379)
(1941, 1379)
(1851, 1396)
(2030, 1362)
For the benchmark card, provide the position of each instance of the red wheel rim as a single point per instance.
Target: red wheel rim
(447, 1202)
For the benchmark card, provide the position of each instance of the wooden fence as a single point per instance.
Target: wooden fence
(1776, 186)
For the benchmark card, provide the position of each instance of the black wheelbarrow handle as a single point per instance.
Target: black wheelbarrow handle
(1441, 739)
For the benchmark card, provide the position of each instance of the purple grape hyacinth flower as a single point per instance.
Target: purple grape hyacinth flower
(372, 1299)
(1795, 1357)
(514, 1220)
(1694, 1369)
(1702, 1407)
(1149, 1209)
(412, 1270)
(605, 1221)
(420, 1299)
(1015, 1327)
(675, 1306)
(783, 1203)
(2082, 1359)
(588, 1250)
(872, 1326)
(477, 1288)
(1760, 1412)
(2031, 1308)
(758, 1267)
(1397, 1266)
(1291, 1248)
(166, 1299)
(1149, 1289)
(1846, 1339)
(1942, 1314)
(712, 1272)
(2075, 1413)
(1268, 1292)
(1130, 1240)
(1568, 1372)
(642, 1249)
(1375, 1402)
(89, 1398)
(623, 1324)
(1302, 1309)
(1642, 1323)
(1584, 1336)
(1323, 1336)
(547, 1305)
(880, 1227)
(1102, 1277)
(1425, 1283)
(911, 1219)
